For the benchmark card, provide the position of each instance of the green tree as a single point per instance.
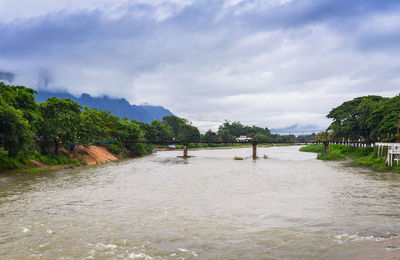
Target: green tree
(235, 128)
(149, 132)
(190, 133)
(15, 132)
(389, 112)
(182, 130)
(176, 125)
(350, 120)
(22, 99)
(225, 136)
(130, 130)
(259, 137)
(100, 125)
(162, 131)
(90, 127)
(364, 111)
(61, 118)
(210, 136)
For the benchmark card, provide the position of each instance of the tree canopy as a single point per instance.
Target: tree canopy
(15, 132)
(23, 122)
(369, 118)
(61, 118)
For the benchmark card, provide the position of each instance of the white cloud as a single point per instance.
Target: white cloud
(259, 62)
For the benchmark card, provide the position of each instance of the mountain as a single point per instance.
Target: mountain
(297, 130)
(119, 107)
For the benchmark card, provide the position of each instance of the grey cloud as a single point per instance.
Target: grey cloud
(44, 80)
(63, 30)
(7, 76)
(209, 62)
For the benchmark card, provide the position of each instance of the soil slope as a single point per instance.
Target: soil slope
(91, 154)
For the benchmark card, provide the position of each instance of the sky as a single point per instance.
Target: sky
(271, 63)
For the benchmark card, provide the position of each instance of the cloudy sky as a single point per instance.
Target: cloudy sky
(272, 63)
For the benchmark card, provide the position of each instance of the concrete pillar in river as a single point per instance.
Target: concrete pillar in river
(254, 150)
(185, 151)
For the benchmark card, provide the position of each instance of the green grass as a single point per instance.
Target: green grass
(237, 158)
(30, 170)
(52, 159)
(7, 163)
(313, 148)
(22, 163)
(361, 156)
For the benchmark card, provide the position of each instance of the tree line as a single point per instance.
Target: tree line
(26, 125)
(367, 119)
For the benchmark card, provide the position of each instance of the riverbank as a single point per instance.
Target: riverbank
(85, 155)
(79, 156)
(360, 156)
(202, 146)
(95, 154)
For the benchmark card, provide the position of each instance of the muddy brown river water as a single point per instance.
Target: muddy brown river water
(289, 206)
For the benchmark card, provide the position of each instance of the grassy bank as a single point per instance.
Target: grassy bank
(361, 156)
(34, 162)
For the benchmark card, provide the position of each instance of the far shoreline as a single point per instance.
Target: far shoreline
(232, 147)
(53, 168)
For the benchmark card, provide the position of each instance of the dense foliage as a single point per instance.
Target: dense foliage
(228, 132)
(18, 118)
(369, 119)
(28, 129)
(60, 121)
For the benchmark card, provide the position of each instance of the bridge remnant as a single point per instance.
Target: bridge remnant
(185, 151)
(254, 150)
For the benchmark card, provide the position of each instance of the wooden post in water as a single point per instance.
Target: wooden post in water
(326, 142)
(254, 150)
(185, 150)
(326, 146)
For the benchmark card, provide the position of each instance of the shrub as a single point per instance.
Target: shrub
(313, 148)
(140, 149)
(8, 163)
(53, 159)
(115, 149)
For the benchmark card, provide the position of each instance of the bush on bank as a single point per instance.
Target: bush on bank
(7, 162)
(23, 160)
(53, 159)
(362, 156)
(313, 148)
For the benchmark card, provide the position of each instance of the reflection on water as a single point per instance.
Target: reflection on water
(209, 206)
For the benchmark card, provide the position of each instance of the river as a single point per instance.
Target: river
(288, 206)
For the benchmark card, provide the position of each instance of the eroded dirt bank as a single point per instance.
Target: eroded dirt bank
(91, 155)
(86, 155)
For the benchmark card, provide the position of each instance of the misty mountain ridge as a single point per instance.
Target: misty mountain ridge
(297, 129)
(119, 107)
